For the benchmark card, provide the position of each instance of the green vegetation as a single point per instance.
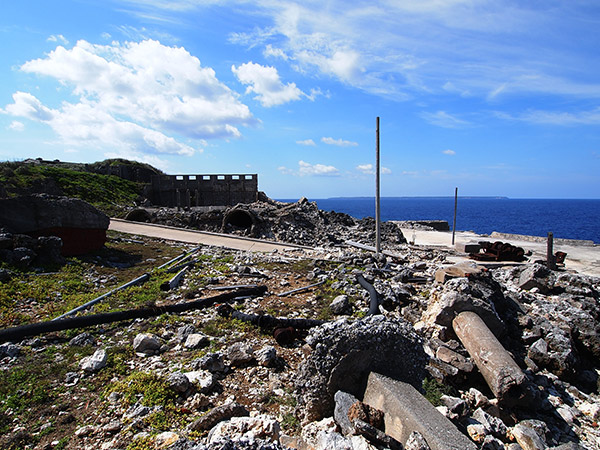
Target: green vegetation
(142, 443)
(84, 181)
(34, 383)
(151, 390)
(103, 191)
(434, 390)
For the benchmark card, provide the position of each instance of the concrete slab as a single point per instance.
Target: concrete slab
(406, 410)
(581, 255)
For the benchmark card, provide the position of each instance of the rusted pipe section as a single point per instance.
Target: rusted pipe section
(141, 279)
(374, 303)
(15, 334)
(502, 374)
(174, 282)
(300, 289)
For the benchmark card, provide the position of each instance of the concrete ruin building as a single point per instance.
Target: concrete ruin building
(203, 190)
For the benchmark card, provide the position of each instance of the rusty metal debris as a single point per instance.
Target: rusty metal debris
(373, 294)
(499, 251)
(285, 335)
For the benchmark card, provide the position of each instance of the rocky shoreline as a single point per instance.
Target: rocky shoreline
(202, 380)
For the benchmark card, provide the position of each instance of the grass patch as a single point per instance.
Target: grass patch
(434, 390)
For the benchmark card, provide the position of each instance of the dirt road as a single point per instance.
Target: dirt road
(199, 237)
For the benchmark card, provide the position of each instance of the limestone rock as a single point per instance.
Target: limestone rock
(218, 414)
(343, 402)
(82, 339)
(261, 427)
(416, 441)
(196, 340)
(267, 356)
(178, 382)
(240, 353)
(147, 344)
(202, 379)
(341, 305)
(213, 362)
(94, 362)
(476, 294)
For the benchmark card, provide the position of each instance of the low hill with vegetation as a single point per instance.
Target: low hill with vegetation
(108, 184)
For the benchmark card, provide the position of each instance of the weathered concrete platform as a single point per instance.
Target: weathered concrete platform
(406, 410)
(581, 256)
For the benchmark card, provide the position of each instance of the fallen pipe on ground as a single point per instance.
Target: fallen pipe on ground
(266, 320)
(301, 289)
(141, 279)
(373, 249)
(174, 282)
(502, 374)
(138, 280)
(374, 303)
(15, 334)
(228, 288)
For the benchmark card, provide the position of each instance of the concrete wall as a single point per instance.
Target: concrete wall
(203, 190)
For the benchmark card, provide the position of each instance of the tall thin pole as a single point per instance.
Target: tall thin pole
(455, 205)
(377, 203)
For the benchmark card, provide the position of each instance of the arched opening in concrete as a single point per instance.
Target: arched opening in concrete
(138, 215)
(240, 219)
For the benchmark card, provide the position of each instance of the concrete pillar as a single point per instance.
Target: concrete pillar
(502, 374)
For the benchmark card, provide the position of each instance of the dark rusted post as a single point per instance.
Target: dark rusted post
(550, 262)
(502, 374)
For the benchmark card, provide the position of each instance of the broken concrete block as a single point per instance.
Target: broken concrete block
(454, 359)
(406, 410)
(536, 276)
(528, 438)
(467, 247)
(343, 402)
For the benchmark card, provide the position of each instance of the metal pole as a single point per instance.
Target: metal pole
(377, 203)
(455, 205)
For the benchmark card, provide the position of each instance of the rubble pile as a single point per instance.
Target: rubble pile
(301, 223)
(228, 384)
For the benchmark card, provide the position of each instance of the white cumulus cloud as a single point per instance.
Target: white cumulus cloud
(316, 169)
(338, 142)
(15, 125)
(307, 142)
(265, 82)
(369, 169)
(449, 152)
(138, 96)
(57, 38)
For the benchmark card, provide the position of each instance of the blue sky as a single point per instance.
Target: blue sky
(492, 97)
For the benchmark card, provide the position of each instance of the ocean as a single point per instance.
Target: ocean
(566, 218)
